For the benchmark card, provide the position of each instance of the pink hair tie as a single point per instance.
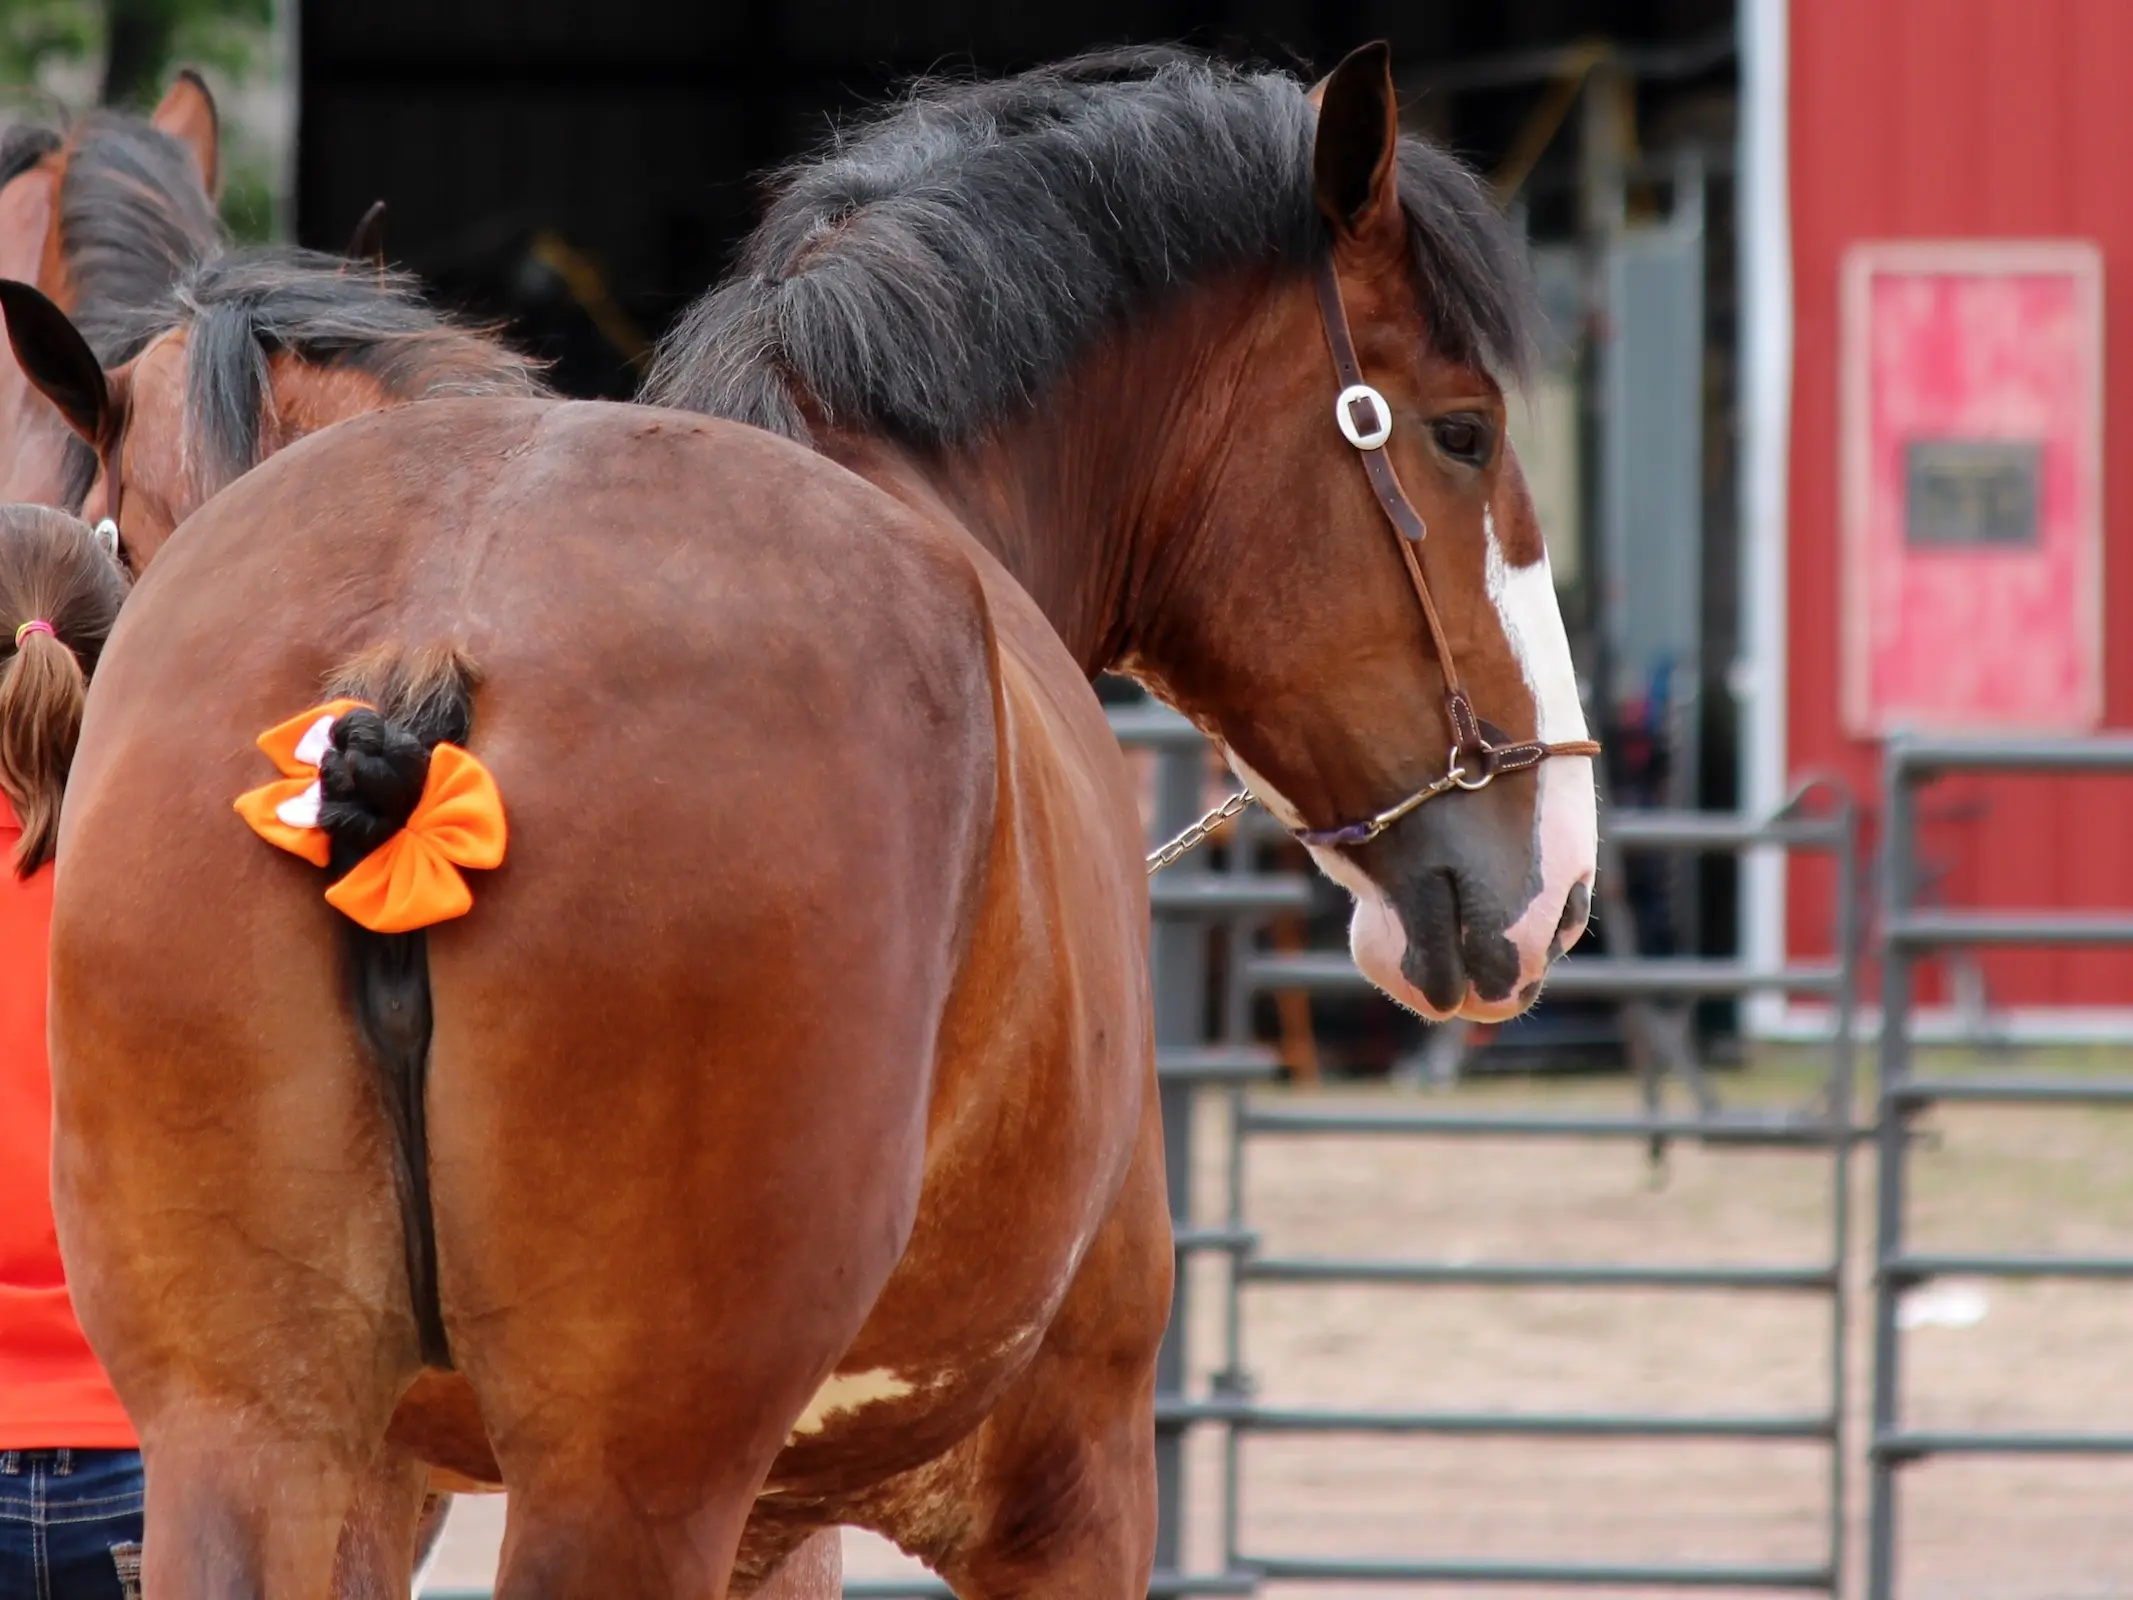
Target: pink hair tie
(34, 625)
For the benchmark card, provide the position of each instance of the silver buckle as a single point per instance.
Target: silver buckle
(1363, 438)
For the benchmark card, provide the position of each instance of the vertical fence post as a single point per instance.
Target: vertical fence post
(1843, 1113)
(1178, 955)
(1898, 796)
(1231, 1383)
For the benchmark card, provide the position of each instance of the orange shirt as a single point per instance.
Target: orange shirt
(52, 1392)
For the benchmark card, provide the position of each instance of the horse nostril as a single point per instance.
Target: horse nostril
(1576, 908)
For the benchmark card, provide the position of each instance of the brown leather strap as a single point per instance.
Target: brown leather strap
(1333, 315)
(1468, 741)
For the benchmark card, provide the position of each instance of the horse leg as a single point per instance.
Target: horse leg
(815, 1571)
(234, 1510)
(578, 1540)
(258, 1453)
(381, 1544)
(1059, 1483)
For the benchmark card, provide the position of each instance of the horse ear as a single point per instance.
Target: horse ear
(1355, 158)
(368, 241)
(187, 113)
(57, 360)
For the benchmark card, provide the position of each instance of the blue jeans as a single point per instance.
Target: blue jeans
(70, 1524)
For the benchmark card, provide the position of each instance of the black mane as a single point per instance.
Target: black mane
(22, 146)
(241, 308)
(941, 264)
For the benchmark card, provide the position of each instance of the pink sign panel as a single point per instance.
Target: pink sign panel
(1972, 449)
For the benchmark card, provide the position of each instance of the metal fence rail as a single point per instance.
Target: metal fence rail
(1909, 935)
(1182, 919)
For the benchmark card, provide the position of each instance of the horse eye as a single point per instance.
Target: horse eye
(1464, 438)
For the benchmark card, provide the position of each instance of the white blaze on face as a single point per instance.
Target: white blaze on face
(1566, 828)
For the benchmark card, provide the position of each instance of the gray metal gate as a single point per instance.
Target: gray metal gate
(1908, 935)
(1827, 1136)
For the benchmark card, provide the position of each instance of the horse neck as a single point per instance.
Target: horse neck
(1093, 495)
(305, 397)
(308, 397)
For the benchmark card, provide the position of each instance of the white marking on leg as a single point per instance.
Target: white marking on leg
(849, 1391)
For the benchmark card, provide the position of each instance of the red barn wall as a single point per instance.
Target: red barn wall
(1937, 119)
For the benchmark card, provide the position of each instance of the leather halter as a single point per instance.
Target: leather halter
(1365, 420)
(109, 457)
(108, 537)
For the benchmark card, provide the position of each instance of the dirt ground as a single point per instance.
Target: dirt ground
(2042, 1354)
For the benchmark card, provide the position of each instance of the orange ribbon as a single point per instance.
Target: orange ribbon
(413, 879)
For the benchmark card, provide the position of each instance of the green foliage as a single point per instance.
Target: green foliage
(228, 35)
(34, 32)
(132, 49)
(138, 43)
(145, 39)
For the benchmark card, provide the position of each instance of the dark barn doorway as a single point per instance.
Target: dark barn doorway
(610, 150)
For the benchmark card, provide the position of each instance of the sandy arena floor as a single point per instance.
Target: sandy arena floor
(2047, 1355)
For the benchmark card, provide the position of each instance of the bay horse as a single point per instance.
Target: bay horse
(101, 216)
(774, 1143)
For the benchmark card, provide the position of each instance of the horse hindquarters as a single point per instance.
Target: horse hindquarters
(1054, 1494)
(1022, 1326)
(680, 1075)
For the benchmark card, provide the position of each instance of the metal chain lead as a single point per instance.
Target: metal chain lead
(1196, 835)
(1353, 834)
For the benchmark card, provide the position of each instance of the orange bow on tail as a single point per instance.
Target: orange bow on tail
(413, 879)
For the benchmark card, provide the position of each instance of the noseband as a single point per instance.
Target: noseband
(1366, 423)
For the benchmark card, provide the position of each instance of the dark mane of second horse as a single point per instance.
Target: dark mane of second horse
(132, 215)
(239, 309)
(943, 262)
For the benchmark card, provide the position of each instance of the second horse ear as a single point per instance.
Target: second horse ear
(368, 242)
(187, 113)
(58, 361)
